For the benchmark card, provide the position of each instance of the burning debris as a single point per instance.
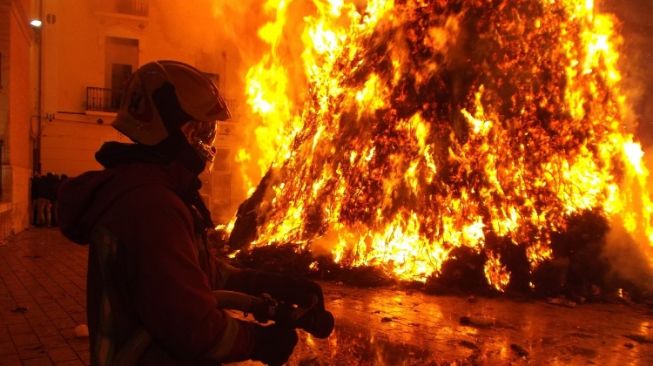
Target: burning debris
(477, 145)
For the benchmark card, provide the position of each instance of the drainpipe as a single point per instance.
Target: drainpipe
(39, 92)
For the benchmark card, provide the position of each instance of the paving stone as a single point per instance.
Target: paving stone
(31, 351)
(46, 330)
(53, 341)
(41, 361)
(85, 356)
(79, 344)
(71, 363)
(7, 349)
(42, 299)
(10, 360)
(62, 354)
(4, 336)
(23, 340)
(19, 329)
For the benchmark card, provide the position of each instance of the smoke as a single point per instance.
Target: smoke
(630, 255)
(635, 62)
(629, 259)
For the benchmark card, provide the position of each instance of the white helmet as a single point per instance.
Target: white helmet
(163, 98)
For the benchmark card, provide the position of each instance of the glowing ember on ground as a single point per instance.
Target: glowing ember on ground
(431, 125)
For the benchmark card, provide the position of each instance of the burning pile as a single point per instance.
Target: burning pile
(438, 130)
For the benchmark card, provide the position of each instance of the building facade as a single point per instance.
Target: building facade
(17, 133)
(89, 50)
(61, 83)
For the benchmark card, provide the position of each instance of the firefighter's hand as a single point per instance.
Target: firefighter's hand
(295, 290)
(309, 293)
(273, 344)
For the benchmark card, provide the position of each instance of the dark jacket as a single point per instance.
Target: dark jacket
(147, 272)
(39, 187)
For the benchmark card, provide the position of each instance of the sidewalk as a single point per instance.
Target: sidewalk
(42, 300)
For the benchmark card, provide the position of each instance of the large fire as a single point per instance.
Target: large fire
(427, 125)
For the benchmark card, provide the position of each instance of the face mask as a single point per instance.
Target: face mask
(201, 137)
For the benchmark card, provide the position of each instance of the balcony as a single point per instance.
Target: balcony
(103, 100)
(139, 8)
(131, 11)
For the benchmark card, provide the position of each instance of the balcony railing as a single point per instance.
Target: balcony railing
(127, 7)
(103, 99)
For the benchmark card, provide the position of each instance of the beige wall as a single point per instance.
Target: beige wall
(70, 141)
(20, 115)
(5, 13)
(15, 115)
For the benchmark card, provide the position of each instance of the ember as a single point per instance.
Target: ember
(435, 129)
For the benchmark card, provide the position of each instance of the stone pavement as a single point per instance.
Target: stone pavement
(42, 300)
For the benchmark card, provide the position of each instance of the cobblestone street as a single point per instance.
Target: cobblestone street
(42, 300)
(42, 279)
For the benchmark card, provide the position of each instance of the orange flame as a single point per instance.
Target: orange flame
(407, 143)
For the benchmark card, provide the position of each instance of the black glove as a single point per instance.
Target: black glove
(273, 344)
(295, 290)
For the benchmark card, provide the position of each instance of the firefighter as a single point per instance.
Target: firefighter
(150, 275)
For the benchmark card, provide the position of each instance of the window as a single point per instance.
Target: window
(121, 59)
(127, 7)
(132, 7)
